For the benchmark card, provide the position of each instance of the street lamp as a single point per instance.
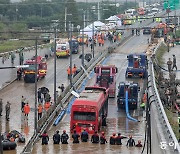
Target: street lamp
(70, 37)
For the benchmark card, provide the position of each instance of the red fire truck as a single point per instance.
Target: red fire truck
(89, 110)
(106, 77)
(29, 72)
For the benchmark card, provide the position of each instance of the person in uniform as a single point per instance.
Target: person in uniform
(169, 64)
(130, 142)
(103, 138)
(45, 138)
(56, 137)
(112, 140)
(64, 137)
(84, 136)
(75, 137)
(174, 63)
(139, 144)
(8, 108)
(95, 137)
(119, 138)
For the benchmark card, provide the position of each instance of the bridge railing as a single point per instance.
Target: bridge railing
(167, 140)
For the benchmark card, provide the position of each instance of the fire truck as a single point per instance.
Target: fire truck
(106, 77)
(29, 72)
(137, 66)
(133, 90)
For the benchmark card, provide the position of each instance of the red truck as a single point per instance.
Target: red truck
(106, 77)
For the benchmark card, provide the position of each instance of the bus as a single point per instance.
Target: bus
(89, 110)
(106, 77)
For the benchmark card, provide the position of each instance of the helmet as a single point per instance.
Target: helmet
(114, 134)
(102, 133)
(64, 131)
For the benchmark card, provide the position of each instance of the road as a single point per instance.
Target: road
(116, 121)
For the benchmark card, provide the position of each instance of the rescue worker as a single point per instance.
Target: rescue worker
(64, 137)
(112, 140)
(47, 97)
(56, 137)
(47, 106)
(12, 139)
(1, 106)
(19, 74)
(75, 137)
(45, 138)
(12, 57)
(139, 144)
(22, 103)
(84, 136)
(142, 105)
(130, 142)
(103, 138)
(69, 72)
(119, 138)
(74, 70)
(26, 110)
(39, 95)
(174, 62)
(40, 110)
(8, 108)
(62, 87)
(95, 137)
(102, 42)
(169, 63)
(132, 32)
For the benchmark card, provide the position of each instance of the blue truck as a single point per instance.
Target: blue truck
(137, 66)
(133, 90)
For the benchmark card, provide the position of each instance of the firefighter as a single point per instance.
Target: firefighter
(139, 144)
(8, 109)
(119, 138)
(40, 110)
(74, 70)
(26, 110)
(130, 142)
(39, 95)
(62, 87)
(64, 137)
(75, 137)
(45, 138)
(47, 106)
(56, 137)
(1, 106)
(169, 63)
(103, 138)
(84, 136)
(102, 42)
(95, 137)
(112, 140)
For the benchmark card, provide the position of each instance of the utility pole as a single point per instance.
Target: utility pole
(98, 12)
(93, 38)
(83, 39)
(70, 36)
(65, 18)
(35, 105)
(55, 65)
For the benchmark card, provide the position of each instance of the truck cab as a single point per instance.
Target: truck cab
(106, 77)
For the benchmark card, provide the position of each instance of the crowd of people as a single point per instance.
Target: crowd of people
(84, 137)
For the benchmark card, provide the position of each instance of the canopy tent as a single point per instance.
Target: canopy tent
(113, 18)
(89, 30)
(98, 24)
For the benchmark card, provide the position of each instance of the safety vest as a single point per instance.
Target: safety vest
(69, 71)
(47, 105)
(26, 109)
(74, 70)
(142, 105)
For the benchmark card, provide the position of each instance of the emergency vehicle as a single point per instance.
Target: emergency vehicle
(62, 48)
(29, 72)
(106, 77)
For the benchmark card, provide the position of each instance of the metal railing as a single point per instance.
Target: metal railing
(168, 142)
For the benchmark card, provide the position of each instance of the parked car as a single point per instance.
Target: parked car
(147, 30)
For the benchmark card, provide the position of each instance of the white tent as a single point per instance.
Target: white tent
(89, 30)
(98, 24)
(112, 18)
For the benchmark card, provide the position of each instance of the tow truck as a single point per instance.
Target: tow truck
(137, 66)
(133, 90)
(106, 77)
(29, 72)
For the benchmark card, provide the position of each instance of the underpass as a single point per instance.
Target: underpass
(116, 120)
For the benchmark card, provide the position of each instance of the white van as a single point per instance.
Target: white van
(155, 10)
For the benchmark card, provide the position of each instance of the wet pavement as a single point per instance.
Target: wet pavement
(116, 121)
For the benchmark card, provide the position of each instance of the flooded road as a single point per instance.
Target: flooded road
(116, 120)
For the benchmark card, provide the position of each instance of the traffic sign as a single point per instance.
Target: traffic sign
(172, 4)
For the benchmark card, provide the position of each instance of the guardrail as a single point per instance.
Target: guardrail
(165, 133)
